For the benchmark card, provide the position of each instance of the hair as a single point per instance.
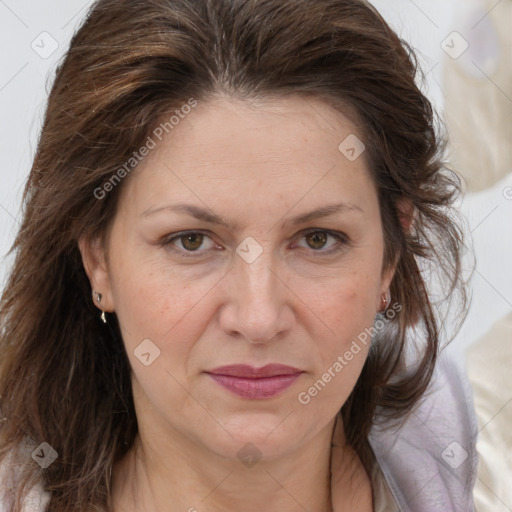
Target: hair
(65, 378)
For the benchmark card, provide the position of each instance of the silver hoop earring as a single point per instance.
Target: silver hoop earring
(98, 300)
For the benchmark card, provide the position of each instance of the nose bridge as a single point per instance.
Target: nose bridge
(259, 305)
(255, 266)
(258, 280)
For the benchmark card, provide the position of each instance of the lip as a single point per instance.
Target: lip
(255, 383)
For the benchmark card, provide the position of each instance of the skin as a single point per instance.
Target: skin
(256, 166)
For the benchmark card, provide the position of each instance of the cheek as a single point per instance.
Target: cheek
(159, 303)
(164, 318)
(346, 308)
(347, 305)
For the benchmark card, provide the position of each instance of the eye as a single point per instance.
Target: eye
(190, 242)
(317, 240)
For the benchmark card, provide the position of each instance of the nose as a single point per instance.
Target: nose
(258, 305)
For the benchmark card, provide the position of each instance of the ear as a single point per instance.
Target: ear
(385, 283)
(406, 216)
(95, 264)
(406, 213)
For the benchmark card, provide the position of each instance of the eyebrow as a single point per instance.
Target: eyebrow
(197, 212)
(206, 215)
(323, 211)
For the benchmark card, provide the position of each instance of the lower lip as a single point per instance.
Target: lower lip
(256, 389)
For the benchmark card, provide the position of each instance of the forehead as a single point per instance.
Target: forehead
(272, 131)
(288, 149)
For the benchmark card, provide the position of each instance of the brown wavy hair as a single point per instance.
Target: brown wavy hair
(65, 378)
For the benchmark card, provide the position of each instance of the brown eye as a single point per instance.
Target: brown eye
(316, 239)
(323, 242)
(191, 241)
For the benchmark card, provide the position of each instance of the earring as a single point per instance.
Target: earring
(98, 300)
(385, 301)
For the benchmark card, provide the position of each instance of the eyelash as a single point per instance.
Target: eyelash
(341, 237)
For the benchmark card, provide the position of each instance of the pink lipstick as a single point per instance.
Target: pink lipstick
(255, 383)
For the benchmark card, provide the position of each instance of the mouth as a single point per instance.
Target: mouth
(255, 383)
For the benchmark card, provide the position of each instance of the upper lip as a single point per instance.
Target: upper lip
(247, 371)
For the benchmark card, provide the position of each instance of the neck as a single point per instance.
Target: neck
(149, 481)
(175, 473)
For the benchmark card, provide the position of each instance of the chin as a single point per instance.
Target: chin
(264, 436)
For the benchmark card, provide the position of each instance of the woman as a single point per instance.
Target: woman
(217, 287)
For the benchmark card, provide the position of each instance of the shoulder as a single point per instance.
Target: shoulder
(430, 462)
(35, 501)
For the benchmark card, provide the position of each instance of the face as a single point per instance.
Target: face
(216, 257)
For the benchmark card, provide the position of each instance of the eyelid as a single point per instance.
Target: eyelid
(341, 237)
(167, 240)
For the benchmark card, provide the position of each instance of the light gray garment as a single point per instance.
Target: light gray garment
(430, 463)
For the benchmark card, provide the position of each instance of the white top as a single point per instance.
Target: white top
(429, 465)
